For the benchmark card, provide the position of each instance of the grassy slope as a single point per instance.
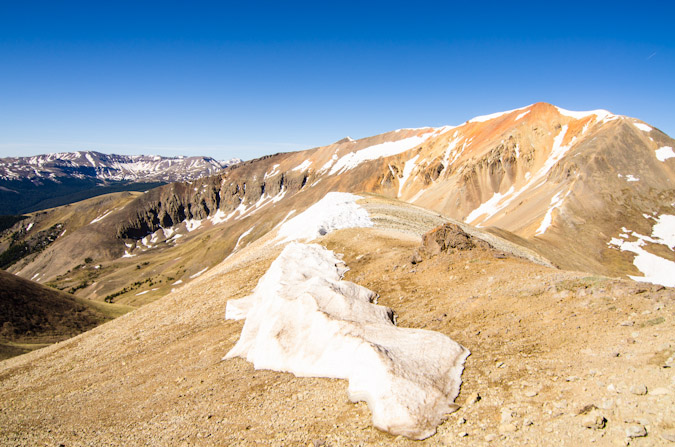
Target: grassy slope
(33, 316)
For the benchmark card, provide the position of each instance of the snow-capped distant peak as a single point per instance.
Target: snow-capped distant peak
(110, 167)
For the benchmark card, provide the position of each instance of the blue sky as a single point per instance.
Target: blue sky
(245, 79)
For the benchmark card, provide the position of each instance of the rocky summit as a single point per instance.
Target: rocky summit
(539, 240)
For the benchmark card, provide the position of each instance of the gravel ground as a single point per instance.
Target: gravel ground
(558, 358)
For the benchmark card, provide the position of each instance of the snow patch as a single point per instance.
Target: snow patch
(664, 230)
(218, 217)
(30, 225)
(90, 158)
(656, 270)
(664, 153)
(449, 151)
(337, 210)
(483, 118)
(304, 319)
(522, 114)
(180, 281)
(198, 273)
(127, 255)
(416, 197)
(99, 218)
(263, 201)
(498, 201)
(273, 172)
(242, 236)
(631, 178)
(407, 170)
(290, 213)
(353, 159)
(328, 164)
(643, 127)
(600, 114)
(556, 202)
(192, 224)
(302, 166)
(489, 207)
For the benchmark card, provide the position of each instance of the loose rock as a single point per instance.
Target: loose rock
(473, 398)
(636, 431)
(639, 389)
(507, 428)
(594, 420)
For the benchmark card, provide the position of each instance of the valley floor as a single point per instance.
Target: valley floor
(551, 350)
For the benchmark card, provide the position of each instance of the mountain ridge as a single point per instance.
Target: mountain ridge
(502, 234)
(538, 175)
(49, 180)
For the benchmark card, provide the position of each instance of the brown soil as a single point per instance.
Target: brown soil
(547, 346)
(32, 315)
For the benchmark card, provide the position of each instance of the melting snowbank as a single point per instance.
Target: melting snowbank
(337, 210)
(656, 270)
(304, 319)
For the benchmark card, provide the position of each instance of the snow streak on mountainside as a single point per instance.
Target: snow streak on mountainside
(559, 182)
(564, 181)
(89, 164)
(303, 318)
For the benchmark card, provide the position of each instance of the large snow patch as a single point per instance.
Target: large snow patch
(656, 270)
(304, 319)
(336, 211)
(386, 149)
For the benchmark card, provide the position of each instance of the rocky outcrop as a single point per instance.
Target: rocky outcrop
(243, 185)
(447, 238)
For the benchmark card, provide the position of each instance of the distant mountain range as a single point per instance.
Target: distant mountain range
(44, 181)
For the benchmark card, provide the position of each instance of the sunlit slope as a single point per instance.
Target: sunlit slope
(589, 191)
(540, 339)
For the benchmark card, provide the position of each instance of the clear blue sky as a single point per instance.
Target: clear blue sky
(246, 78)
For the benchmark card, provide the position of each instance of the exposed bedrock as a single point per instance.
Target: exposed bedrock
(171, 204)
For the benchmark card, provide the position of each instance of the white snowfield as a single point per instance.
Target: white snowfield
(656, 270)
(337, 210)
(643, 127)
(664, 153)
(387, 149)
(304, 319)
